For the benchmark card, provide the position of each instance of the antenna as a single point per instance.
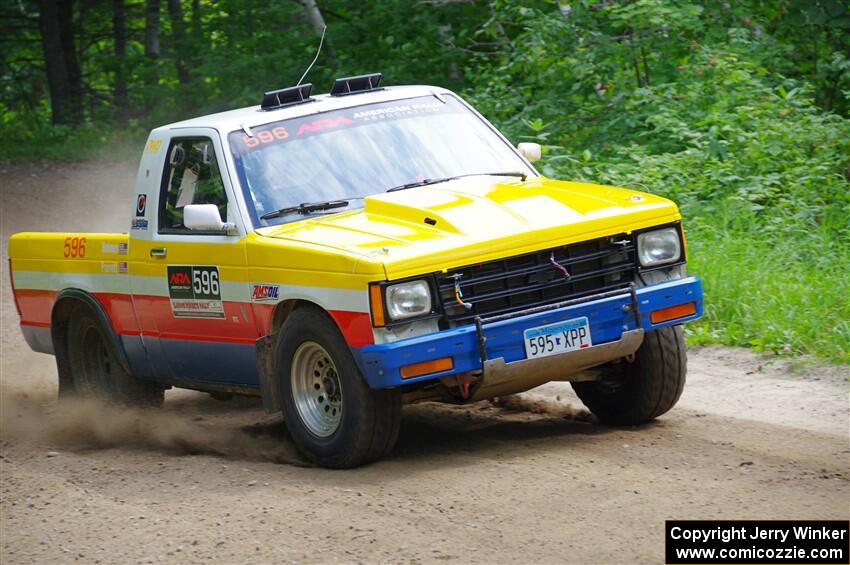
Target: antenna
(316, 58)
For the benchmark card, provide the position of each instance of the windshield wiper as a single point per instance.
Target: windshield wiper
(306, 208)
(425, 182)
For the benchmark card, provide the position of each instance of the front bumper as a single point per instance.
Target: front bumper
(495, 346)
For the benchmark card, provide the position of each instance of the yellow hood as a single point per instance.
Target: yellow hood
(447, 225)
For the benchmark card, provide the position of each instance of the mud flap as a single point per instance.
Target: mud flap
(266, 364)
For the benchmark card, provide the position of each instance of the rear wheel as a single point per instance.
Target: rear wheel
(95, 369)
(334, 417)
(640, 390)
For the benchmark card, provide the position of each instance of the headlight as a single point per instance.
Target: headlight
(408, 300)
(659, 247)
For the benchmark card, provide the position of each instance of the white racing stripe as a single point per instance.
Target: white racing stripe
(327, 298)
(49, 280)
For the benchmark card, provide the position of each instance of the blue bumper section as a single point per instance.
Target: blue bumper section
(608, 317)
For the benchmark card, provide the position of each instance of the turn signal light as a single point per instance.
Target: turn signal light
(426, 367)
(376, 303)
(673, 312)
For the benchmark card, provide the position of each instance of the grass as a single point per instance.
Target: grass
(787, 297)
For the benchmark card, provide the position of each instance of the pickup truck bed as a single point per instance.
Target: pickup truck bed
(44, 264)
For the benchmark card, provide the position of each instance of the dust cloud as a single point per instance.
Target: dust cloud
(546, 406)
(86, 424)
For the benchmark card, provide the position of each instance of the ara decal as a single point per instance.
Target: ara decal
(195, 291)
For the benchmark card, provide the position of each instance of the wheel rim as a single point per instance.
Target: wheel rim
(316, 389)
(96, 362)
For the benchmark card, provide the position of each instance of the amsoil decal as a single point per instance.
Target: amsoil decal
(141, 204)
(195, 291)
(262, 292)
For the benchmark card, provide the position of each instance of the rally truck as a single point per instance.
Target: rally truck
(341, 255)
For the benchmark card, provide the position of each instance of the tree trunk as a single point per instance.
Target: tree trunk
(645, 66)
(178, 36)
(635, 61)
(152, 8)
(82, 18)
(197, 41)
(197, 30)
(314, 14)
(65, 19)
(149, 92)
(57, 74)
(120, 98)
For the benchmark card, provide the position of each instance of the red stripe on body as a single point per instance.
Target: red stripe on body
(122, 314)
(263, 314)
(356, 327)
(237, 326)
(35, 306)
(36, 324)
(12, 282)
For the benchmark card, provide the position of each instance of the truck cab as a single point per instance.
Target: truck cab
(341, 255)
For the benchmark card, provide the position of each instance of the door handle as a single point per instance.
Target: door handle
(158, 252)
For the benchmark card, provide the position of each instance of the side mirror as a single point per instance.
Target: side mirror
(204, 217)
(531, 151)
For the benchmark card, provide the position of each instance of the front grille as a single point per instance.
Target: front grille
(526, 281)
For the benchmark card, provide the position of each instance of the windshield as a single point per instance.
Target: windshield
(355, 152)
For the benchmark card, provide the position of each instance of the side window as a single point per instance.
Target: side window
(191, 177)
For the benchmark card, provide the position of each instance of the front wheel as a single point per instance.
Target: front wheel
(640, 390)
(334, 417)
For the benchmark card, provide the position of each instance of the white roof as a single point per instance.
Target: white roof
(253, 116)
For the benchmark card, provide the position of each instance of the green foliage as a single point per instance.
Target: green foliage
(738, 111)
(786, 297)
(760, 171)
(36, 139)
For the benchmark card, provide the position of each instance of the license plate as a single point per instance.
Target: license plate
(552, 339)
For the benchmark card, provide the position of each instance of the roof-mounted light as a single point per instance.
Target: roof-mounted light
(356, 84)
(287, 97)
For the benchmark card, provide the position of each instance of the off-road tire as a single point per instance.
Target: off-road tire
(370, 418)
(96, 371)
(641, 390)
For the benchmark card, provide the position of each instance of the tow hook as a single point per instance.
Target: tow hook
(464, 382)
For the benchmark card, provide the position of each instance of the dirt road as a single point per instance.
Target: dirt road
(533, 480)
